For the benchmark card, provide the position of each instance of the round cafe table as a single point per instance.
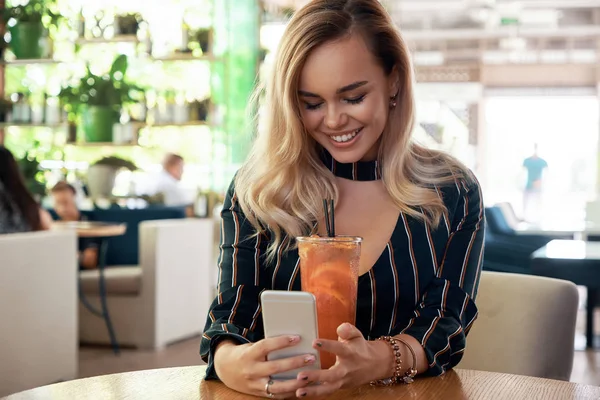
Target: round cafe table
(187, 383)
(101, 231)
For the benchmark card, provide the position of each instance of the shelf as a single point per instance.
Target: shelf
(186, 57)
(19, 125)
(116, 39)
(102, 144)
(173, 124)
(32, 61)
(136, 124)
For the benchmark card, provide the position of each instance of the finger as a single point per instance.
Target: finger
(274, 367)
(265, 346)
(318, 390)
(340, 349)
(348, 331)
(287, 387)
(331, 375)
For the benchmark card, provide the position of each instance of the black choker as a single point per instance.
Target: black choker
(358, 171)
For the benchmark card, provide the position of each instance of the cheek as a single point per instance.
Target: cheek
(372, 112)
(311, 119)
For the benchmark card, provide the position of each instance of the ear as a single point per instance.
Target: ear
(393, 82)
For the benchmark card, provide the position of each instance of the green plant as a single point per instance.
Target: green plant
(34, 178)
(117, 163)
(109, 90)
(43, 11)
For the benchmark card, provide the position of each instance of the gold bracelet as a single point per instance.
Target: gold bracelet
(409, 375)
(397, 373)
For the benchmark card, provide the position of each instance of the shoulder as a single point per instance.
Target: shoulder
(452, 179)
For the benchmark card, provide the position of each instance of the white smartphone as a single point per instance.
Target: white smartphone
(291, 313)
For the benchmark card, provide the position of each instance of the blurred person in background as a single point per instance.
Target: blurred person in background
(168, 183)
(19, 212)
(532, 196)
(64, 196)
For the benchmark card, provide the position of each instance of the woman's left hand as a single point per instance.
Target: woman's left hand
(358, 362)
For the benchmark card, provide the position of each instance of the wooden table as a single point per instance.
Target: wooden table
(577, 261)
(101, 231)
(92, 228)
(187, 383)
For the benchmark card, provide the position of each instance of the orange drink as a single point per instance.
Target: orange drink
(329, 270)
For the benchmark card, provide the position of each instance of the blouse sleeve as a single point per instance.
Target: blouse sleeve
(235, 313)
(447, 310)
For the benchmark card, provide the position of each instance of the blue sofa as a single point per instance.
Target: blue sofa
(124, 250)
(505, 250)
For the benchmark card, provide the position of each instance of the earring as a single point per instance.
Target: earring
(394, 101)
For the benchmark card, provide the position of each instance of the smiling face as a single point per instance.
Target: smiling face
(345, 99)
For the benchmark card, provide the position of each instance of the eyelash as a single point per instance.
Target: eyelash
(353, 101)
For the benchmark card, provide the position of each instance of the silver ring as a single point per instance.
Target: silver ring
(269, 383)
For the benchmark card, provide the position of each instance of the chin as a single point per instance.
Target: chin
(348, 156)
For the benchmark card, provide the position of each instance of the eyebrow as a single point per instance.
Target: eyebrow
(341, 90)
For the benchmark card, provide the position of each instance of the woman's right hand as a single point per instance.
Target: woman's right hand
(244, 367)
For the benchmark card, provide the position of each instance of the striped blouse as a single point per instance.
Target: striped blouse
(423, 284)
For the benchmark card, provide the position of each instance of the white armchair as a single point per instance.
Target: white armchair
(165, 298)
(38, 309)
(526, 326)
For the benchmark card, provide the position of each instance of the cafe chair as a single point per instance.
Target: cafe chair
(38, 309)
(526, 326)
(165, 297)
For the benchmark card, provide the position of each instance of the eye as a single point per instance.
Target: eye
(356, 100)
(310, 106)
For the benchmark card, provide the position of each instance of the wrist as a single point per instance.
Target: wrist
(222, 353)
(384, 362)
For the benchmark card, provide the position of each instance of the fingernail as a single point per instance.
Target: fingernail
(309, 359)
(319, 344)
(302, 394)
(293, 339)
(303, 378)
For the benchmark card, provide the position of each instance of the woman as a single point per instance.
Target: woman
(19, 212)
(340, 115)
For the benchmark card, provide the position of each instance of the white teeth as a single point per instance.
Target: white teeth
(345, 138)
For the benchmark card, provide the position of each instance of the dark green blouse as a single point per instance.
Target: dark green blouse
(423, 284)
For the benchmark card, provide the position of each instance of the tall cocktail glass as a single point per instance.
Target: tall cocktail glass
(329, 270)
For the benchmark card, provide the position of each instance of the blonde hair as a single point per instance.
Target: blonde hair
(281, 186)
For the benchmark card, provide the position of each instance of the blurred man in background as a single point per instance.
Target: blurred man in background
(169, 182)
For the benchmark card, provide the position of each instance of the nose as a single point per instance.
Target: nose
(335, 118)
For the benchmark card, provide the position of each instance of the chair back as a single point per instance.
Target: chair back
(526, 326)
(38, 309)
(496, 221)
(509, 214)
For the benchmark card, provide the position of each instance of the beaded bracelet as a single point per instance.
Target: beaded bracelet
(398, 377)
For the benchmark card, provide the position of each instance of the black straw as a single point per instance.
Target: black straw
(326, 210)
(332, 223)
(329, 217)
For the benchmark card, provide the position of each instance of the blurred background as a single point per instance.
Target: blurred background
(496, 78)
(97, 92)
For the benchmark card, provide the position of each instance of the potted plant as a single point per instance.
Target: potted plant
(203, 37)
(28, 24)
(127, 24)
(103, 173)
(99, 99)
